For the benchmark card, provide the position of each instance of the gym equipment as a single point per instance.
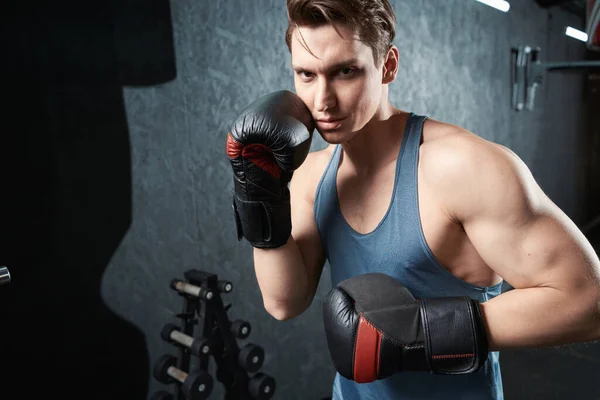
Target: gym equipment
(251, 357)
(4, 276)
(236, 368)
(528, 72)
(195, 386)
(198, 346)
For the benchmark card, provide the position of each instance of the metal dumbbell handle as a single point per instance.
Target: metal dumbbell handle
(182, 338)
(193, 290)
(4, 276)
(177, 374)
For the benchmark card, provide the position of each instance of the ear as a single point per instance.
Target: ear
(390, 65)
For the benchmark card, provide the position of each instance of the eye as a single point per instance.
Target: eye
(348, 71)
(304, 74)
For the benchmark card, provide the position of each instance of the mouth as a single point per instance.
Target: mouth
(329, 123)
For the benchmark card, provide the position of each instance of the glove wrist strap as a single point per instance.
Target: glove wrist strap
(264, 224)
(455, 338)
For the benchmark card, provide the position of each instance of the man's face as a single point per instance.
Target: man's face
(341, 84)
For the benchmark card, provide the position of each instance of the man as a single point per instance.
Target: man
(420, 220)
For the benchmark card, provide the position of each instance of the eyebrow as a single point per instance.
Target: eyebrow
(336, 66)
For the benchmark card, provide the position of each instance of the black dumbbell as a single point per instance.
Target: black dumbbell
(241, 329)
(225, 286)
(188, 288)
(162, 395)
(196, 385)
(251, 357)
(261, 386)
(198, 346)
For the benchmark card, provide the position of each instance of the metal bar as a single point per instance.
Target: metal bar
(4, 276)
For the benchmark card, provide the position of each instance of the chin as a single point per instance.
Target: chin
(336, 137)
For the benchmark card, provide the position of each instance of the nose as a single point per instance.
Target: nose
(325, 96)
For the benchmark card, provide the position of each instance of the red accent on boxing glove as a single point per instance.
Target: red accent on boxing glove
(368, 345)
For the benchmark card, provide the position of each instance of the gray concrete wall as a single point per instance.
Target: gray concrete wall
(455, 67)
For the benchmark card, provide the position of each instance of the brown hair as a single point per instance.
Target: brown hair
(373, 21)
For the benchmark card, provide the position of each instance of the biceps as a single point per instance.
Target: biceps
(539, 249)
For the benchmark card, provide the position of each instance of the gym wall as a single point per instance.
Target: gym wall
(117, 181)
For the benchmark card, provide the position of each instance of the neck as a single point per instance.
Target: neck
(377, 143)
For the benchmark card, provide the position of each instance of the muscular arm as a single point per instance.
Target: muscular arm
(527, 240)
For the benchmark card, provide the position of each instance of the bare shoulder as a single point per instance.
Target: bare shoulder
(449, 149)
(306, 178)
(469, 169)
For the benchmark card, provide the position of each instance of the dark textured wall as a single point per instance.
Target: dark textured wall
(169, 156)
(454, 67)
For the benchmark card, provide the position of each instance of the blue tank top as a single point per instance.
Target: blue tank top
(397, 247)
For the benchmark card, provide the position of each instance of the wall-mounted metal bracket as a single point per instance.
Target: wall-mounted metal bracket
(528, 73)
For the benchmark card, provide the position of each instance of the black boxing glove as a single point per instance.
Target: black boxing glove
(375, 328)
(268, 141)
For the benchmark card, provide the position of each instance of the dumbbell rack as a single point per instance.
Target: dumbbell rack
(216, 337)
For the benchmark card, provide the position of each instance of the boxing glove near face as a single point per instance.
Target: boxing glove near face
(268, 141)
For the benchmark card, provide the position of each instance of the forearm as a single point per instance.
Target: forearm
(282, 279)
(539, 317)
